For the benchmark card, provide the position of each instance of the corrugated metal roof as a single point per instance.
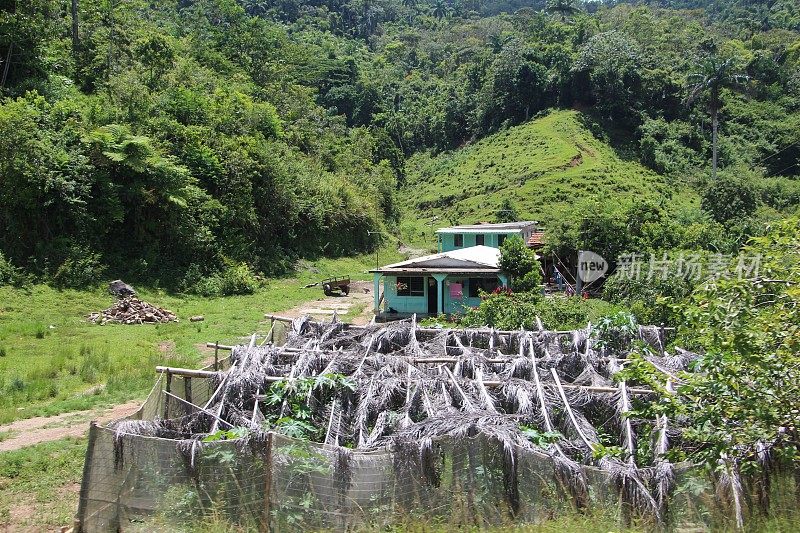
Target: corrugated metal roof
(474, 257)
(536, 240)
(502, 227)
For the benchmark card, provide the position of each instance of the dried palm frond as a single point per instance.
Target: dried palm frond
(403, 386)
(730, 484)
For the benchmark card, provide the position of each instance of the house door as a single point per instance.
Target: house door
(433, 297)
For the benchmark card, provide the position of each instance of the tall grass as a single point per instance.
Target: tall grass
(535, 165)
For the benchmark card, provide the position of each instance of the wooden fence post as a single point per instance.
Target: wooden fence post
(216, 356)
(85, 481)
(265, 526)
(168, 389)
(187, 387)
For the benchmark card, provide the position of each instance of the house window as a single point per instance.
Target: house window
(481, 284)
(408, 286)
(479, 240)
(458, 240)
(500, 239)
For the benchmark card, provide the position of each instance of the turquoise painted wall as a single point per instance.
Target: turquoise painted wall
(453, 305)
(447, 240)
(419, 304)
(403, 304)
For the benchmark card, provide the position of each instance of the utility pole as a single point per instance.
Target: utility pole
(110, 37)
(377, 266)
(74, 12)
(377, 202)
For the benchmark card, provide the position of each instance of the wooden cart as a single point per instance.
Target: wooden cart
(337, 284)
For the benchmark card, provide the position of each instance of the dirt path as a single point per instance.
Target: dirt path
(357, 306)
(32, 431)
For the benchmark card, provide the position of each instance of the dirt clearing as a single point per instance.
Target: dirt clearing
(32, 431)
(355, 308)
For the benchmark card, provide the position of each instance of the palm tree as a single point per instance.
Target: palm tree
(411, 5)
(440, 9)
(256, 8)
(564, 8)
(714, 74)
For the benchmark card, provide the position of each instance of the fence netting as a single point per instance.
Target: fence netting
(444, 447)
(136, 483)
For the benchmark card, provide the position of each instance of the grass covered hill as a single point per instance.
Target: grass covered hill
(543, 167)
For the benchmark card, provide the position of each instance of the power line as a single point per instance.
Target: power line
(780, 171)
(776, 153)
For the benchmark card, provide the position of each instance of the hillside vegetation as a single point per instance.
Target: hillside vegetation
(182, 141)
(543, 167)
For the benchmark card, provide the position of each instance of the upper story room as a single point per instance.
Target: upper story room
(483, 234)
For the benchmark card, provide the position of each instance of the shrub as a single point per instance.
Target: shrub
(239, 279)
(235, 280)
(509, 311)
(11, 275)
(730, 198)
(16, 385)
(81, 268)
(780, 193)
(649, 299)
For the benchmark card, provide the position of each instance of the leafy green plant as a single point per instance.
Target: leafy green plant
(237, 279)
(520, 310)
(293, 395)
(616, 331)
(12, 275)
(81, 268)
(226, 434)
(541, 439)
(745, 395)
(600, 451)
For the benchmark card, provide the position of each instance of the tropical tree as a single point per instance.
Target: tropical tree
(440, 9)
(744, 402)
(411, 6)
(256, 7)
(714, 74)
(521, 264)
(565, 9)
(474, 5)
(74, 31)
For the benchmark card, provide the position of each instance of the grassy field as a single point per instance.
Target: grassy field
(52, 360)
(39, 485)
(543, 167)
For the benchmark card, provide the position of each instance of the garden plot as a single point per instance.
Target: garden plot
(346, 426)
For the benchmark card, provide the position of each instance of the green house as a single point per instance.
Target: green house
(444, 283)
(492, 235)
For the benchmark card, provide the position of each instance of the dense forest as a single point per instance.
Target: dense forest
(178, 140)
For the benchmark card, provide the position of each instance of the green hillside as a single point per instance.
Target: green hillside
(543, 167)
